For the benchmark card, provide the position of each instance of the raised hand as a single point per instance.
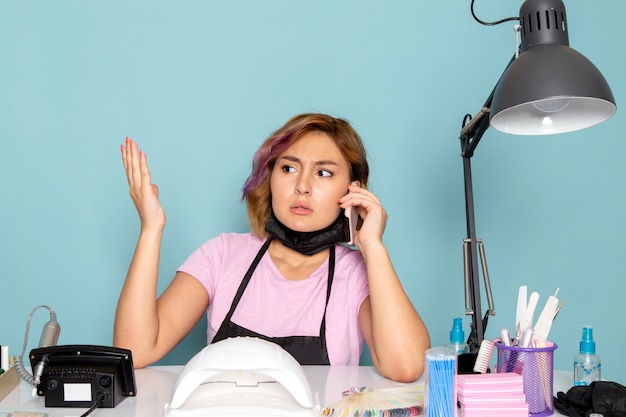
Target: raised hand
(144, 194)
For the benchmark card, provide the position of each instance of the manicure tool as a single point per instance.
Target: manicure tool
(530, 309)
(505, 336)
(520, 317)
(545, 320)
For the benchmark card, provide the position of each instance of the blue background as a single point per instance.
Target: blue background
(199, 85)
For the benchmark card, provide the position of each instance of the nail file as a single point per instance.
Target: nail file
(506, 337)
(544, 322)
(530, 309)
(520, 319)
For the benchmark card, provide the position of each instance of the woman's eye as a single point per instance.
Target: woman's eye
(288, 168)
(324, 173)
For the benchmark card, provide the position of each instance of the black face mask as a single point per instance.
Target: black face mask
(307, 243)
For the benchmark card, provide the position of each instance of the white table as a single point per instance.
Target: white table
(155, 384)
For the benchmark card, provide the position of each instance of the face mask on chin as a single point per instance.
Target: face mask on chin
(307, 243)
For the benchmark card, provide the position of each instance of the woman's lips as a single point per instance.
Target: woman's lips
(300, 209)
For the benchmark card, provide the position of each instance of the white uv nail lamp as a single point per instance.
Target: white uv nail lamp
(242, 376)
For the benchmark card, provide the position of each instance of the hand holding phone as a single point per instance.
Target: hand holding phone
(352, 215)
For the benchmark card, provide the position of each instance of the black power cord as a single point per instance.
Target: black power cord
(101, 399)
(508, 19)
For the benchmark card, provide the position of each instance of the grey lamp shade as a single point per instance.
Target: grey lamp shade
(550, 88)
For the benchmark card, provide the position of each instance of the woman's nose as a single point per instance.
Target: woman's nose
(303, 187)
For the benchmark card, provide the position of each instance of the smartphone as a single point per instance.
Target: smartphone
(352, 217)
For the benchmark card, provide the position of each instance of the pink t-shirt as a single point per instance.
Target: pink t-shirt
(275, 306)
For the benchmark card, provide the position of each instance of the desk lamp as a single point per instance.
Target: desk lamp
(546, 88)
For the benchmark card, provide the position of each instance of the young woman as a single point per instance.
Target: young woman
(290, 280)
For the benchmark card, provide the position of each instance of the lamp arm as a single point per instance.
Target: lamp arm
(471, 133)
(470, 136)
(472, 282)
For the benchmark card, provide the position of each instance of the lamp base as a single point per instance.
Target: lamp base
(465, 363)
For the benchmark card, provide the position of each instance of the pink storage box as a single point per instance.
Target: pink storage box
(478, 411)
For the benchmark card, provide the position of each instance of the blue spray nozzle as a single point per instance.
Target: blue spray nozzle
(587, 345)
(457, 335)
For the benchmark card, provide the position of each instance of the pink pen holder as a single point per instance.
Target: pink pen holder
(536, 366)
